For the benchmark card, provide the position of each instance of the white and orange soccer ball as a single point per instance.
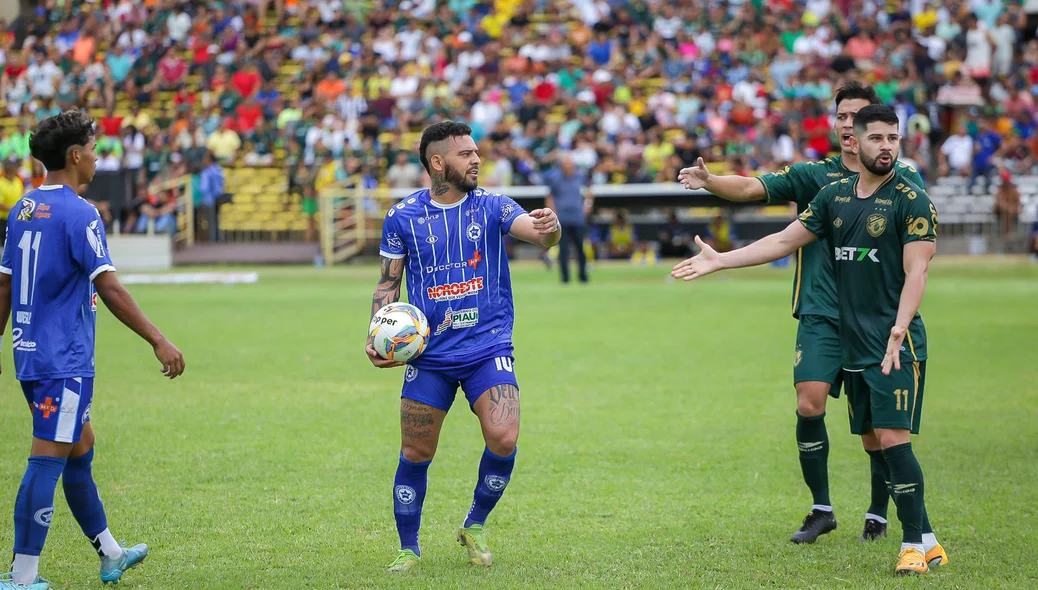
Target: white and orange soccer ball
(399, 332)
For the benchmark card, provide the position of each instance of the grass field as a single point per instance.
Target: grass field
(657, 445)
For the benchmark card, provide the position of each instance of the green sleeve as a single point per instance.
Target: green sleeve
(918, 218)
(814, 217)
(780, 186)
(912, 174)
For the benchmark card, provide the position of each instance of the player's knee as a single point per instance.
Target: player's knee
(811, 398)
(417, 452)
(86, 442)
(503, 443)
(892, 437)
(869, 442)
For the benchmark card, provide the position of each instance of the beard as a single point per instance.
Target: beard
(459, 180)
(874, 166)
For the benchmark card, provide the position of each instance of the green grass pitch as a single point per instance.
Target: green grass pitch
(656, 448)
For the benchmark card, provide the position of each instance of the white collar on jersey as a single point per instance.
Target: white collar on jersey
(51, 187)
(451, 206)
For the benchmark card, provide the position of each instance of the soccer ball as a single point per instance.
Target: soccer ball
(399, 332)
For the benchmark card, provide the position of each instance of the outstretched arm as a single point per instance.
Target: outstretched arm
(917, 257)
(767, 249)
(386, 291)
(119, 301)
(731, 187)
(540, 227)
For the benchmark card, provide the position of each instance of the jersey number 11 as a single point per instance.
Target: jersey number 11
(30, 247)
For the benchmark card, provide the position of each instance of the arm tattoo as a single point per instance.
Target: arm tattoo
(504, 404)
(439, 184)
(388, 289)
(416, 420)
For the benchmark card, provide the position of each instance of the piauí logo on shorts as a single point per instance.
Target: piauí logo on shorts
(410, 374)
(405, 494)
(496, 483)
(43, 516)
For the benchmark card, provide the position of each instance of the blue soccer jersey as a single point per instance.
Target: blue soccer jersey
(456, 273)
(55, 248)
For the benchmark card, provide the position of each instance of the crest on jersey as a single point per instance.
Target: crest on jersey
(28, 209)
(410, 374)
(474, 231)
(506, 211)
(876, 224)
(837, 223)
(93, 234)
(394, 242)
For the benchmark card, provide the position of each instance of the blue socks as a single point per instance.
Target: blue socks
(409, 487)
(412, 480)
(34, 506)
(494, 473)
(83, 498)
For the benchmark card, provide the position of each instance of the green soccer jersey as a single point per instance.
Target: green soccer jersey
(865, 239)
(814, 292)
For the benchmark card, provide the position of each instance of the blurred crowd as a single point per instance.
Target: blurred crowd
(631, 89)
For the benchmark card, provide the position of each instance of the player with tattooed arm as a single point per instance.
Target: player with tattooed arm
(449, 241)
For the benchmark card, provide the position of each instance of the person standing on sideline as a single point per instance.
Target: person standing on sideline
(565, 197)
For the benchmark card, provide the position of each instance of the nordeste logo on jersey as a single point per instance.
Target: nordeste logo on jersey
(28, 209)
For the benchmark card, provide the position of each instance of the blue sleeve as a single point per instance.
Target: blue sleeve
(89, 246)
(392, 245)
(7, 264)
(510, 211)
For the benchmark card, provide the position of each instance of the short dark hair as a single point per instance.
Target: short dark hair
(50, 141)
(439, 132)
(874, 113)
(854, 89)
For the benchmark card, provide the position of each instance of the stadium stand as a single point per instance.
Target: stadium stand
(291, 96)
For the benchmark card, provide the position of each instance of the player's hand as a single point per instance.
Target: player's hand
(700, 265)
(171, 358)
(893, 356)
(694, 177)
(545, 221)
(379, 361)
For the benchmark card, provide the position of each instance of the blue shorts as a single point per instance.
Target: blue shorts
(438, 388)
(60, 407)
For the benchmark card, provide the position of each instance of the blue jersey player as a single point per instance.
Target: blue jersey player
(55, 264)
(450, 242)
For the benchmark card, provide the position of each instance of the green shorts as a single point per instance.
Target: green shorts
(309, 206)
(875, 400)
(818, 355)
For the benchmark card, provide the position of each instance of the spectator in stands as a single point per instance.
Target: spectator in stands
(157, 210)
(1034, 240)
(986, 145)
(720, 234)
(674, 240)
(211, 192)
(622, 237)
(404, 173)
(225, 142)
(567, 197)
(956, 154)
(12, 189)
(1007, 207)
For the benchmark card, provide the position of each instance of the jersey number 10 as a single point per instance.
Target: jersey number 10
(30, 247)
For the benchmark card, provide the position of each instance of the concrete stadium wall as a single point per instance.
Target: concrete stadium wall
(136, 253)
